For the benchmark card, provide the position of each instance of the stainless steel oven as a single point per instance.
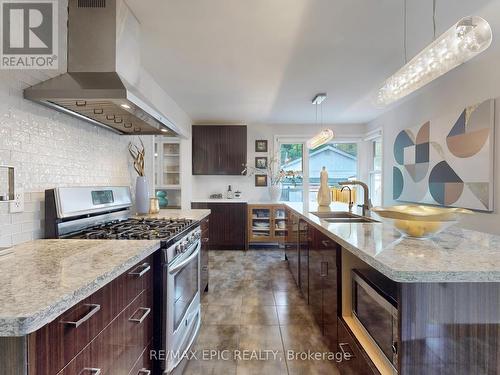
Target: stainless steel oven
(374, 306)
(183, 317)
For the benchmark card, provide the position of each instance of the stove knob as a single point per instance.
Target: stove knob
(185, 246)
(178, 249)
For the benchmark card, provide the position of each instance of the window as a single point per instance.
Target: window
(291, 160)
(376, 172)
(340, 160)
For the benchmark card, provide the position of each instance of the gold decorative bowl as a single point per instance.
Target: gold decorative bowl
(420, 221)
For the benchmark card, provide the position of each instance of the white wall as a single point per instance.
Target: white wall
(471, 83)
(203, 186)
(50, 149)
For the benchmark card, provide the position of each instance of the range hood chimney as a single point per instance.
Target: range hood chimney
(104, 76)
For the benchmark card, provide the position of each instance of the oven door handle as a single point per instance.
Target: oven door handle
(181, 265)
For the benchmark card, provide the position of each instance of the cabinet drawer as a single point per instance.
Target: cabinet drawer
(133, 282)
(144, 365)
(57, 343)
(116, 349)
(358, 363)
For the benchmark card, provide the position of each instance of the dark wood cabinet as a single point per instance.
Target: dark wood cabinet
(108, 330)
(304, 258)
(219, 149)
(205, 238)
(228, 225)
(355, 361)
(292, 244)
(324, 283)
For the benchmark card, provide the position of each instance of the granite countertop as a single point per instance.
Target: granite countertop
(41, 279)
(455, 255)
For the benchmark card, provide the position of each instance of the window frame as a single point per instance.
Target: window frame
(372, 171)
(279, 140)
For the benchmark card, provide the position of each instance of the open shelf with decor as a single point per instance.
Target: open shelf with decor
(168, 171)
(266, 223)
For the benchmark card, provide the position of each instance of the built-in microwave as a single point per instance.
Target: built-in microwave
(375, 307)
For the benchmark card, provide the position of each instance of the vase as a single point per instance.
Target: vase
(141, 195)
(275, 192)
(162, 198)
(324, 194)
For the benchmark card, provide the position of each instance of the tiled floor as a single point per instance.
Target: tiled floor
(254, 305)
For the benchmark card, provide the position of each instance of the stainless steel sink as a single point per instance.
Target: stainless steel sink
(334, 214)
(343, 217)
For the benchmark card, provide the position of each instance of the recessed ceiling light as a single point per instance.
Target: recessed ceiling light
(164, 130)
(125, 106)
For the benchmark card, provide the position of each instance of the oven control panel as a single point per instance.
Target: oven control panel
(188, 241)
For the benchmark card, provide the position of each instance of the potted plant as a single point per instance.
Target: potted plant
(275, 175)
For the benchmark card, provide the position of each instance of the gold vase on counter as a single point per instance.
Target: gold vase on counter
(154, 206)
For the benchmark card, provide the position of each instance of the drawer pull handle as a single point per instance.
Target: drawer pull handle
(93, 371)
(324, 269)
(347, 353)
(94, 309)
(141, 270)
(146, 312)
(143, 371)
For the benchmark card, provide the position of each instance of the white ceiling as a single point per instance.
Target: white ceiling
(262, 61)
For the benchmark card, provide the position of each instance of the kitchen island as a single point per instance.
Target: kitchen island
(64, 301)
(446, 293)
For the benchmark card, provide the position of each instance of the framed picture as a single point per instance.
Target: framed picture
(261, 145)
(261, 162)
(260, 180)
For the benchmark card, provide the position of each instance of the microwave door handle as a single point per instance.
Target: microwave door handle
(181, 265)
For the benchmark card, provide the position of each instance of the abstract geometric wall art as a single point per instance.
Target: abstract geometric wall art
(448, 161)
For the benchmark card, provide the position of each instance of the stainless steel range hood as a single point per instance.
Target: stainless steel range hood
(105, 83)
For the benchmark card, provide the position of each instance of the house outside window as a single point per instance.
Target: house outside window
(339, 158)
(292, 159)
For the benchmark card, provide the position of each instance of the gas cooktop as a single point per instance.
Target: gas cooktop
(136, 229)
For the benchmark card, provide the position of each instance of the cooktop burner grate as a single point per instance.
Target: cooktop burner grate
(136, 229)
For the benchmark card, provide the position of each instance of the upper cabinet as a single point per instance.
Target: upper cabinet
(219, 149)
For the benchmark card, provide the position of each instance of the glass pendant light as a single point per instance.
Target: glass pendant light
(326, 135)
(466, 39)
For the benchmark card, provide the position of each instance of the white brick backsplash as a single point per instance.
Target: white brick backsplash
(50, 149)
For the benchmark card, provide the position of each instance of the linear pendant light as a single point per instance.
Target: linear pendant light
(326, 135)
(464, 40)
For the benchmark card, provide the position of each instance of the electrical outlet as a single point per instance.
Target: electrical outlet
(18, 204)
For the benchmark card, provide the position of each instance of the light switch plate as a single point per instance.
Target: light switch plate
(18, 204)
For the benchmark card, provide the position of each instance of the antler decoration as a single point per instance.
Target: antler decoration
(137, 154)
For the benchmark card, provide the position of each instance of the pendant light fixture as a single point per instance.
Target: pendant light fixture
(464, 40)
(326, 135)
